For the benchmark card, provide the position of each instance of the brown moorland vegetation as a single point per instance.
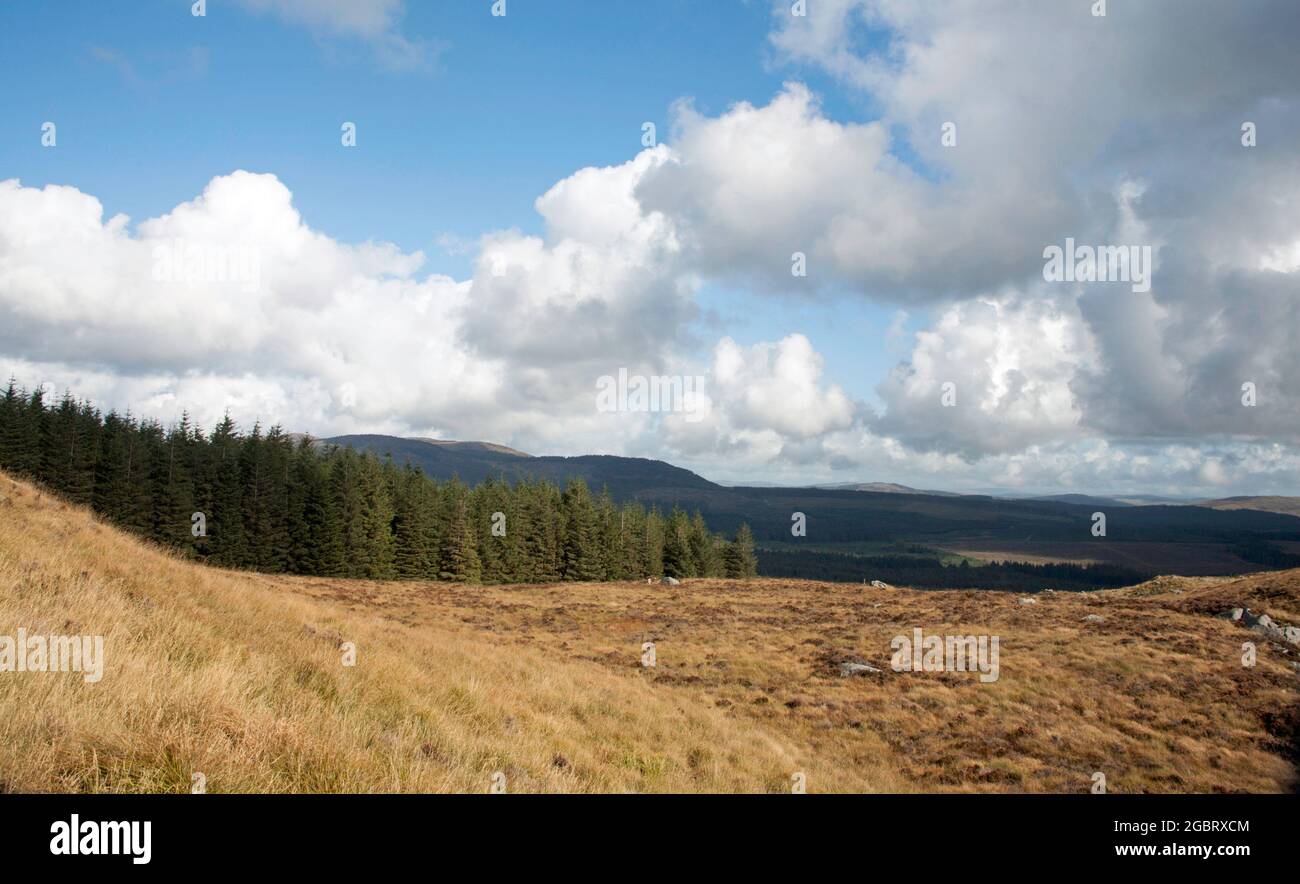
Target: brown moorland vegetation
(240, 676)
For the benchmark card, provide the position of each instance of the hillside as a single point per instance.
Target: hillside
(1287, 505)
(1145, 540)
(885, 488)
(472, 462)
(239, 676)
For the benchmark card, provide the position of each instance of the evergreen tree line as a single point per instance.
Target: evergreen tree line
(265, 501)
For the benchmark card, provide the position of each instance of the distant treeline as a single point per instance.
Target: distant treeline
(1263, 552)
(264, 501)
(931, 573)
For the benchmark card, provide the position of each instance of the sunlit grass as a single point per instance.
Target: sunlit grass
(241, 677)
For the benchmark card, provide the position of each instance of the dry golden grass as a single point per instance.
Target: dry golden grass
(239, 676)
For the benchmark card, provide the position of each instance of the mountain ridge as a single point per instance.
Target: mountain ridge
(625, 477)
(474, 461)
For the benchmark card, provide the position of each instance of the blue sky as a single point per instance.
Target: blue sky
(152, 102)
(817, 133)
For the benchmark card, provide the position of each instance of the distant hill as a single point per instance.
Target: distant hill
(884, 488)
(473, 462)
(1287, 505)
(472, 446)
(1153, 499)
(1143, 534)
(1085, 500)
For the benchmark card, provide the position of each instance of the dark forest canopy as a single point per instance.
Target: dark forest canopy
(265, 501)
(930, 572)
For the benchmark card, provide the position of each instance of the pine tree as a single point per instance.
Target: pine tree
(174, 506)
(610, 538)
(413, 516)
(12, 413)
(705, 559)
(59, 446)
(485, 501)
(677, 558)
(652, 545)
(257, 493)
(539, 520)
(112, 486)
(345, 487)
(376, 554)
(149, 481)
(26, 449)
(278, 462)
(86, 454)
(458, 561)
(225, 523)
(124, 489)
(317, 536)
(582, 554)
(435, 527)
(738, 557)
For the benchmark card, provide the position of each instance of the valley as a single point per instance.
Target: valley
(1145, 537)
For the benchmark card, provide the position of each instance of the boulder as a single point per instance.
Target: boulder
(1094, 618)
(853, 667)
(1253, 620)
(880, 584)
(670, 581)
(1028, 601)
(1264, 625)
(1267, 628)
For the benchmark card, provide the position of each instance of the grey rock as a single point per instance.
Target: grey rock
(852, 667)
(880, 584)
(1253, 620)
(1028, 601)
(1264, 625)
(1094, 618)
(670, 581)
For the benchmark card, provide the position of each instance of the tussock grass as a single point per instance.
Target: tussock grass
(240, 676)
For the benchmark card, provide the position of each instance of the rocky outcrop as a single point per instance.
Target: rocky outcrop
(1264, 625)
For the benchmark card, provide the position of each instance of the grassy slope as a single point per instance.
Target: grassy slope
(239, 676)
